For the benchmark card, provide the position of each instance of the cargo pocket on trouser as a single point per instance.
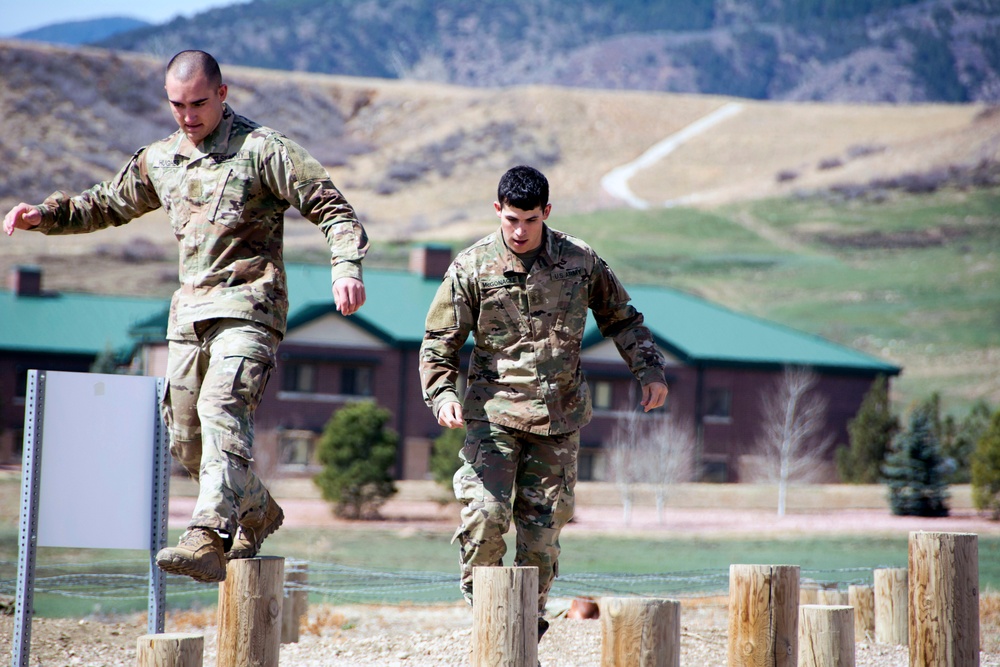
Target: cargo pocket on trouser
(230, 394)
(540, 526)
(484, 519)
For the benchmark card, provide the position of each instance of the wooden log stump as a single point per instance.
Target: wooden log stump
(504, 617)
(862, 598)
(763, 615)
(831, 597)
(826, 636)
(250, 612)
(640, 632)
(808, 590)
(295, 604)
(944, 599)
(890, 606)
(170, 649)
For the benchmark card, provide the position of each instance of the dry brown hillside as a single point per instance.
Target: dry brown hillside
(420, 161)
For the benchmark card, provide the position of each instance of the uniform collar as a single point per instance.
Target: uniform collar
(217, 142)
(511, 263)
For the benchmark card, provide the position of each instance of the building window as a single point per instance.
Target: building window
(601, 392)
(300, 378)
(295, 448)
(356, 381)
(718, 404)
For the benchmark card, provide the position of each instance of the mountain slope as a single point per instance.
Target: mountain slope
(83, 32)
(848, 51)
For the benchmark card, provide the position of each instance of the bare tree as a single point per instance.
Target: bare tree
(647, 449)
(625, 460)
(667, 453)
(791, 442)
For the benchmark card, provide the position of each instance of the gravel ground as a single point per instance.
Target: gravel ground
(434, 636)
(414, 636)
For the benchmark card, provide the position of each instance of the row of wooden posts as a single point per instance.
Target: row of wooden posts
(931, 606)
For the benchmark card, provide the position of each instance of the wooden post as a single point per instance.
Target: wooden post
(862, 598)
(890, 606)
(808, 591)
(831, 597)
(640, 632)
(763, 615)
(170, 649)
(944, 599)
(250, 612)
(826, 636)
(296, 600)
(504, 617)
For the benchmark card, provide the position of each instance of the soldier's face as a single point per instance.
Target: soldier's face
(522, 230)
(196, 105)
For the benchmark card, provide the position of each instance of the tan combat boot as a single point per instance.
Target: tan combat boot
(254, 527)
(199, 555)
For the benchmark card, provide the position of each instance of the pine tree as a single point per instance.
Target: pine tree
(913, 469)
(986, 469)
(960, 447)
(871, 432)
(444, 455)
(357, 452)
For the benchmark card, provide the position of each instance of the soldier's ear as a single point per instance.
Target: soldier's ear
(223, 91)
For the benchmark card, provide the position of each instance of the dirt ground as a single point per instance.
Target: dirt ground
(363, 635)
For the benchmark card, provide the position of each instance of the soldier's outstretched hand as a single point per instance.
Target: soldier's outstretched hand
(22, 216)
(349, 295)
(654, 395)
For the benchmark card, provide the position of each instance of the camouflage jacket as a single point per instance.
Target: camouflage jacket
(528, 328)
(226, 200)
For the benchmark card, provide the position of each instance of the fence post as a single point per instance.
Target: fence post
(170, 649)
(831, 597)
(504, 617)
(640, 632)
(250, 612)
(296, 600)
(944, 599)
(890, 606)
(763, 615)
(826, 636)
(862, 598)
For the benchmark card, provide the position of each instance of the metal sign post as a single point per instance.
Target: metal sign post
(105, 431)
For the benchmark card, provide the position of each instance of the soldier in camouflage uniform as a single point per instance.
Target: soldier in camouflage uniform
(523, 293)
(225, 183)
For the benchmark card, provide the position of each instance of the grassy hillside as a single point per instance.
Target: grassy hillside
(915, 280)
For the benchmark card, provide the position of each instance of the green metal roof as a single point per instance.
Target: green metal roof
(698, 331)
(394, 311)
(692, 329)
(72, 323)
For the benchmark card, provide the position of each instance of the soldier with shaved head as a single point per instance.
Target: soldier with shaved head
(225, 183)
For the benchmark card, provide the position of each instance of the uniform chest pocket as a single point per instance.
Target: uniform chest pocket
(500, 324)
(230, 198)
(570, 304)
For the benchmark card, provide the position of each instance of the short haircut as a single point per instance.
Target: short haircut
(187, 65)
(523, 187)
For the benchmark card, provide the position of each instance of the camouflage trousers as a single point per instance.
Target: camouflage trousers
(214, 383)
(505, 474)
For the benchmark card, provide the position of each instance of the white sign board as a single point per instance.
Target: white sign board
(98, 444)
